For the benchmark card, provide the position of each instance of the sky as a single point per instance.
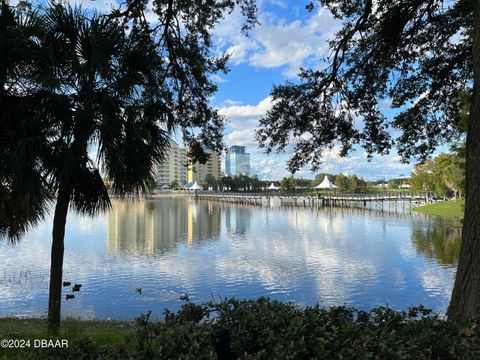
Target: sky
(287, 38)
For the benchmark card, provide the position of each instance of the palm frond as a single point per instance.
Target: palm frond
(131, 156)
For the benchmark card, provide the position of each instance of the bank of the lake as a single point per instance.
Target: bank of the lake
(452, 208)
(253, 329)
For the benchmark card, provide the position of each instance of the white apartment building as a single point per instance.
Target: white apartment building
(212, 167)
(174, 168)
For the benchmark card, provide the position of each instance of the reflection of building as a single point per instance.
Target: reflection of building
(238, 219)
(174, 168)
(158, 225)
(237, 161)
(198, 172)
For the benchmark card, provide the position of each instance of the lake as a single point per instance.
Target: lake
(212, 250)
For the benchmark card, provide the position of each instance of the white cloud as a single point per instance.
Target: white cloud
(230, 102)
(243, 137)
(244, 119)
(238, 112)
(277, 42)
(218, 79)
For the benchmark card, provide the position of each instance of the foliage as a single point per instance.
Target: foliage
(444, 175)
(241, 182)
(288, 184)
(73, 82)
(174, 184)
(422, 177)
(341, 182)
(397, 183)
(416, 53)
(356, 184)
(303, 183)
(352, 183)
(268, 329)
(210, 181)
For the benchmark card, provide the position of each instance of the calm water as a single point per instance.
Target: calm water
(333, 256)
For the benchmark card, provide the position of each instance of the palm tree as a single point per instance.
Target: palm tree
(77, 84)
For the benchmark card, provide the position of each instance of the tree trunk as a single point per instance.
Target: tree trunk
(56, 262)
(465, 301)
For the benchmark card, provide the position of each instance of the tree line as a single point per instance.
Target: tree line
(444, 175)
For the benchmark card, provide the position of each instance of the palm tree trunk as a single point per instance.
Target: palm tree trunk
(465, 301)
(56, 267)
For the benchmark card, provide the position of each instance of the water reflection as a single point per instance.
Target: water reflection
(438, 239)
(238, 219)
(360, 256)
(159, 226)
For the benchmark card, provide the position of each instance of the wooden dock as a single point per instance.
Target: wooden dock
(334, 199)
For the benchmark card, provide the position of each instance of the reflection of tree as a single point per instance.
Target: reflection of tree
(159, 225)
(439, 239)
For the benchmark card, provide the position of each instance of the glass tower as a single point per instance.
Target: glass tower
(237, 161)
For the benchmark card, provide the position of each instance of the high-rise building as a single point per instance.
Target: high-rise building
(237, 161)
(174, 167)
(197, 172)
(177, 167)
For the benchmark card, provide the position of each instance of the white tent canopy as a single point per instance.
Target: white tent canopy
(273, 187)
(195, 186)
(325, 184)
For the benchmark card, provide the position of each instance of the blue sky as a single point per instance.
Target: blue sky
(288, 37)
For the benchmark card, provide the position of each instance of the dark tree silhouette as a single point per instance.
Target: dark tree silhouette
(75, 82)
(424, 55)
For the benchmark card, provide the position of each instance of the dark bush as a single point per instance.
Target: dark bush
(269, 329)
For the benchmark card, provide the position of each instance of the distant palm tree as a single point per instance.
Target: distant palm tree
(82, 92)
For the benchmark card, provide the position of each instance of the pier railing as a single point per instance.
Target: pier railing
(305, 199)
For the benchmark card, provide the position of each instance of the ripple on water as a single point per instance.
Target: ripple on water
(170, 247)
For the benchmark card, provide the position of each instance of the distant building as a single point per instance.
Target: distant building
(174, 168)
(197, 172)
(237, 161)
(178, 168)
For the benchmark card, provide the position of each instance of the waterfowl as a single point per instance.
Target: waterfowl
(69, 296)
(67, 283)
(139, 290)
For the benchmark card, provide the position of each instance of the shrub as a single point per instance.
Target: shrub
(269, 329)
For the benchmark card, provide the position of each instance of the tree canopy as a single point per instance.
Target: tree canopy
(422, 57)
(75, 83)
(443, 174)
(415, 54)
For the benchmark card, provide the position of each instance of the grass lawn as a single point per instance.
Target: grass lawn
(101, 332)
(38, 328)
(452, 208)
